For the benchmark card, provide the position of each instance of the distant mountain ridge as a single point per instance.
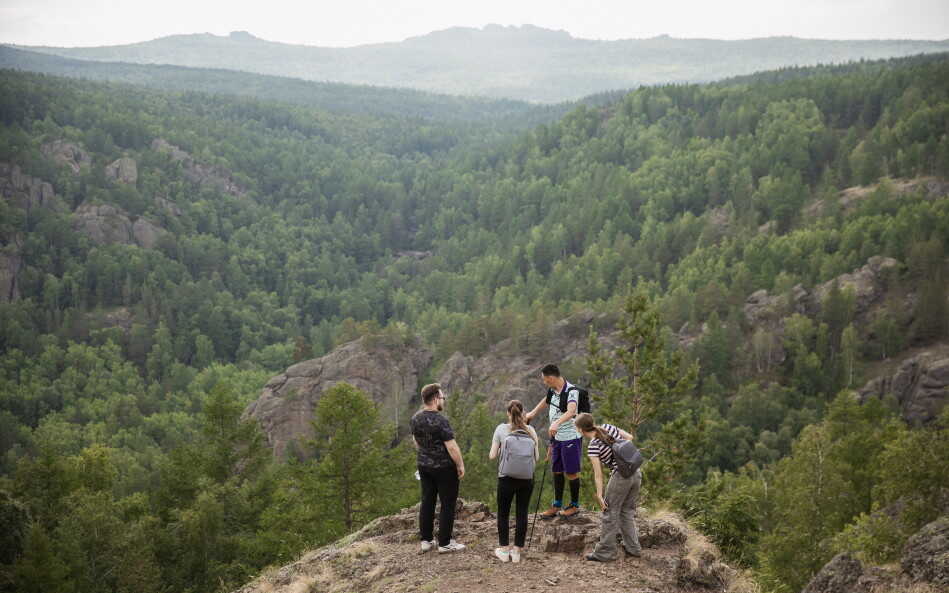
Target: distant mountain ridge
(527, 62)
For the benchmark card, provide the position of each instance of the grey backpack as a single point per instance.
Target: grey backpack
(517, 456)
(627, 456)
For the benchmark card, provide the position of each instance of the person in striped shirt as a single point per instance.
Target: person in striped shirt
(622, 494)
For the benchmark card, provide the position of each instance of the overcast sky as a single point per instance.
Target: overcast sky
(355, 22)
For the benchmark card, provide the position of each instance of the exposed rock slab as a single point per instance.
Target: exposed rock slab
(67, 154)
(106, 224)
(204, 175)
(10, 265)
(926, 554)
(26, 192)
(123, 170)
(920, 386)
(867, 283)
(512, 371)
(389, 375)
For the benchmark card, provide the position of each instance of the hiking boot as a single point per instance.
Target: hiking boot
(502, 554)
(452, 546)
(593, 558)
(427, 545)
(570, 511)
(550, 513)
(636, 554)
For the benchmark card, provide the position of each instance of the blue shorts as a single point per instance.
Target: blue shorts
(566, 456)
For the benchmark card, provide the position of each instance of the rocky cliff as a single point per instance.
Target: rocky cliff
(204, 175)
(923, 568)
(510, 370)
(920, 385)
(67, 154)
(27, 193)
(384, 557)
(390, 375)
(106, 224)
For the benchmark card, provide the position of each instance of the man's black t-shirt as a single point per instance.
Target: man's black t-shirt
(431, 430)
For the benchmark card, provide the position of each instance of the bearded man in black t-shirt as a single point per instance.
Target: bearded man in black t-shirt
(440, 468)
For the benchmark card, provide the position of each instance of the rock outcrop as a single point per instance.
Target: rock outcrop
(867, 284)
(849, 199)
(103, 223)
(384, 557)
(510, 370)
(926, 554)
(924, 568)
(26, 192)
(67, 154)
(106, 224)
(389, 375)
(204, 175)
(168, 206)
(123, 170)
(10, 264)
(920, 385)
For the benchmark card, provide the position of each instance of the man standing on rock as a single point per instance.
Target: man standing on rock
(566, 442)
(440, 468)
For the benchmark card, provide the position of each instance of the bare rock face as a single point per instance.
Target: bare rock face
(920, 385)
(840, 575)
(510, 370)
(26, 192)
(146, 234)
(168, 206)
(106, 224)
(204, 175)
(926, 554)
(67, 154)
(10, 264)
(123, 170)
(867, 283)
(389, 375)
(763, 309)
(925, 561)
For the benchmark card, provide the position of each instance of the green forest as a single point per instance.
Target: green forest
(292, 228)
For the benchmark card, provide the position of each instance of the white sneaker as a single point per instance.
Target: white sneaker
(452, 546)
(515, 555)
(502, 554)
(426, 546)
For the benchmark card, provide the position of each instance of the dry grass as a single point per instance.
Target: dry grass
(359, 550)
(302, 585)
(743, 583)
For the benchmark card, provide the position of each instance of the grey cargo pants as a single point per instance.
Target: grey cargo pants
(622, 497)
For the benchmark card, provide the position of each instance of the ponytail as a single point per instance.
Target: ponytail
(515, 410)
(585, 423)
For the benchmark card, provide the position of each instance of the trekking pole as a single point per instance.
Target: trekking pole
(537, 505)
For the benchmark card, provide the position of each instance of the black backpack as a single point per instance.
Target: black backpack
(583, 401)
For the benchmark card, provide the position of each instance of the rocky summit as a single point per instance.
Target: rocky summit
(384, 557)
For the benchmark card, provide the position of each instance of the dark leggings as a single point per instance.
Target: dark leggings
(442, 483)
(508, 490)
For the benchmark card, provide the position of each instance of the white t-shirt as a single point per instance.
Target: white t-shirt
(566, 431)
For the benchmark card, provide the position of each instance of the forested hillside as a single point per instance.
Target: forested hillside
(162, 254)
(336, 97)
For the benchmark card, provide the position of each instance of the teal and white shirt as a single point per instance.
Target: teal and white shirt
(567, 431)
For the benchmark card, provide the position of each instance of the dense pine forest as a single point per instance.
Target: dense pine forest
(189, 246)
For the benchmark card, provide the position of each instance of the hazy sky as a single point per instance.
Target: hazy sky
(355, 22)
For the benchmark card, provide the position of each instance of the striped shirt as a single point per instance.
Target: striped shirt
(604, 451)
